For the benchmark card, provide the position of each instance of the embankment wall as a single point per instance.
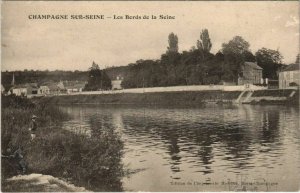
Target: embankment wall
(178, 97)
(167, 98)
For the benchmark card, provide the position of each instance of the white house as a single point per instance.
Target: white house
(19, 91)
(44, 90)
(289, 76)
(74, 86)
(116, 84)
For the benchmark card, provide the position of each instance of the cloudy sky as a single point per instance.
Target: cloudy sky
(75, 44)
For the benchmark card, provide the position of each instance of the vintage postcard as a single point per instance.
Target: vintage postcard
(130, 96)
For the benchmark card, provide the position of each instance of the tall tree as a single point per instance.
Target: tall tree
(106, 82)
(237, 46)
(270, 60)
(236, 52)
(204, 44)
(173, 43)
(97, 79)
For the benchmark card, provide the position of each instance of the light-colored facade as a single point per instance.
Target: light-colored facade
(20, 91)
(289, 77)
(44, 90)
(74, 86)
(117, 84)
(251, 74)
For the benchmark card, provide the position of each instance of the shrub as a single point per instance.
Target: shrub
(93, 161)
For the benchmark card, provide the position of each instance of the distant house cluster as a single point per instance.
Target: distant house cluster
(47, 88)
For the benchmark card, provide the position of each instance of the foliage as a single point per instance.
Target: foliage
(204, 44)
(90, 161)
(40, 77)
(173, 43)
(193, 67)
(236, 46)
(98, 79)
(236, 52)
(270, 61)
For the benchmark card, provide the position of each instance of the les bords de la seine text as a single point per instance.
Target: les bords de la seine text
(98, 17)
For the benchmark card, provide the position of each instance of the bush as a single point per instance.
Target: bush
(92, 161)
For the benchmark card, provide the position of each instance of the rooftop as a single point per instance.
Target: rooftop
(291, 67)
(253, 65)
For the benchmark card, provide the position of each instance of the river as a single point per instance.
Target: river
(206, 148)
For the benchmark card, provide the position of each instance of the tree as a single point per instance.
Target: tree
(237, 46)
(204, 44)
(173, 43)
(97, 79)
(105, 81)
(236, 52)
(270, 60)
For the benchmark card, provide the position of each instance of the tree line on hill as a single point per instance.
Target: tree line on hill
(193, 67)
(199, 65)
(41, 77)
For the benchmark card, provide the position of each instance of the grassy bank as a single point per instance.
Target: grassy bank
(92, 161)
(166, 98)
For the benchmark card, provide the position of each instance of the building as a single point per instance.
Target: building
(289, 76)
(117, 84)
(25, 89)
(32, 89)
(61, 85)
(74, 86)
(251, 74)
(19, 90)
(52, 88)
(44, 90)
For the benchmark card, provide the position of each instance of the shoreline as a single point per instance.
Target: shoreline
(180, 98)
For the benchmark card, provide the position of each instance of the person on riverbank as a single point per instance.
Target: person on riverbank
(33, 127)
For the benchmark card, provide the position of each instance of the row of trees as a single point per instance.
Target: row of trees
(199, 65)
(196, 66)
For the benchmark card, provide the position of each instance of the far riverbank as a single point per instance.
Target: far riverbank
(274, 96)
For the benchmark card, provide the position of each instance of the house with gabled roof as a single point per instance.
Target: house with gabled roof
(25, 89)
(74, 86)
(251, 73)
(289, 76)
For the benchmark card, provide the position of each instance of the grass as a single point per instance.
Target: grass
(92, 161)
(274, 93)
(161, 98)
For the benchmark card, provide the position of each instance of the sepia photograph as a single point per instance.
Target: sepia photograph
(150, 96)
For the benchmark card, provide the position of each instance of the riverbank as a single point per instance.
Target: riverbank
(39, 183)
(181, 97)
(163, 98)
(92, 161)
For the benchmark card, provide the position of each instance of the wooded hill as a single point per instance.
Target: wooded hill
(193, 67)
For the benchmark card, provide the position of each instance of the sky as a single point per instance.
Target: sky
(75, 44)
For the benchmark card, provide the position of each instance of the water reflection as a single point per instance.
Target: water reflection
(214, 142)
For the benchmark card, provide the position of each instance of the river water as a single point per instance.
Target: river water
(206, 148)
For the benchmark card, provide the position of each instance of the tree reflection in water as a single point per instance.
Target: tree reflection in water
(210, 142)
